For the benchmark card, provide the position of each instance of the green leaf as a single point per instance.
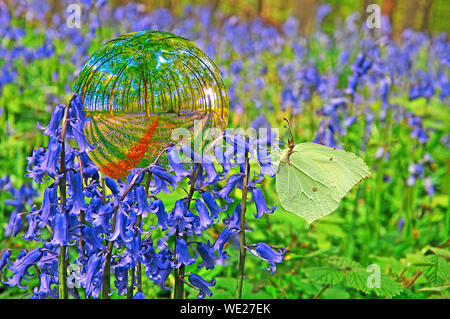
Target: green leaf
(343, 263)
(436, 289)
(312, 180)
(389, 287)
(324, 275)
(439, 271)
(440, 251)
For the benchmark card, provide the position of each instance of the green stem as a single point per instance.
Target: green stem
(106, 281)
(179, 273)
(447, 226)
(138, 222)
(62, 262)
(130, 287)
(62, 273)
(132, 273)
(321, 291)
(240, 276)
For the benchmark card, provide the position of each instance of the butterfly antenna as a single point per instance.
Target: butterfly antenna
(291, 142)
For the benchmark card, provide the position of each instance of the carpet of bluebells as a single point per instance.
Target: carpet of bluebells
(382, 97)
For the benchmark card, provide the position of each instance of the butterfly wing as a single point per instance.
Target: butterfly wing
(316, 177)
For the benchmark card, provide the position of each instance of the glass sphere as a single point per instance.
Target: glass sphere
(138, 88)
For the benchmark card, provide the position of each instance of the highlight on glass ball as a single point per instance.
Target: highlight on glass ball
(138, 88)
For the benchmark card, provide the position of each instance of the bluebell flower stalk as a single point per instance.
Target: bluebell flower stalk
(179, 272)
(62, 262)
(240, 276)
(106, 281)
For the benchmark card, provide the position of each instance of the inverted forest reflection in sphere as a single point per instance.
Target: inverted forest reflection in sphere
(141, 86)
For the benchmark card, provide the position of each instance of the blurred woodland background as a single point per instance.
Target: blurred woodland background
(424, 15)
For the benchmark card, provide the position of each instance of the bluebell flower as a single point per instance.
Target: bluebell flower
(4, 258)
(349, 121)
(157, 206)
(60, 230)
(175, 162)
(101, 219)
(221, 158)
(33, 167)
(417, 132)
(17, 224)
(131, 254)
(94, 205)
(223, 238)
(182, 253)
(20, 267)
(91, 237)
(76, 192)
(53, 129)
(5, 183)
(208, 166)
(429, 186)
(213, 207)
(322, 12)
(78, 135)
(139, 295)
(416, 171)
(202, 285)
(12, 220)
(45, 290)
(203, 213)
(267, 253)
(49, 162)
(91, 279)
(131, 178)
(158, 267)
(48, 208)
(189, 153)
(206, 252)
(76, 105)
(112, 185)
(231, 183)
(121, 282)
(261, 206)
(142, 202)
(179, 218)
(163, 178)
(234, 221)
(240, 145)
(121, 228)
(88, 166)
(400, 225)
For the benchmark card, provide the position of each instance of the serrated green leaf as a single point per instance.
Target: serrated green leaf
(358, 279)
(436, 289)
(440, 252)
(439, 272)
(324, 275)
(343, 263)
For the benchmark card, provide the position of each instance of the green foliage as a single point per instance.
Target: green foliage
(351, 274)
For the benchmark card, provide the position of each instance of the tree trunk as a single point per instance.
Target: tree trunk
(425, 25)
(409, 15)
(388, 8)
(305, 11)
